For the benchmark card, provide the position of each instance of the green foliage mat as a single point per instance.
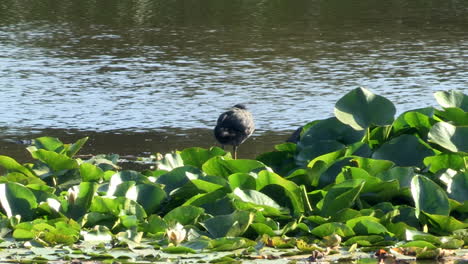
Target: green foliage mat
(360, 181)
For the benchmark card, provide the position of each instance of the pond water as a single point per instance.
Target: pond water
(131, 73)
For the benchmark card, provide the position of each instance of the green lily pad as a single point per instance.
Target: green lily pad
(452, 98)
(450, 137)
(405, 150)
(328, 229)
(367, 225)
(185, 215)
(198, 156)
(232, 225)
(178, 250)
(12, 165)
(340, 196)
(360, 109)
(17, 200)
(429, 197)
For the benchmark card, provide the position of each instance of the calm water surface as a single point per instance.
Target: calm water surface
(132, 73)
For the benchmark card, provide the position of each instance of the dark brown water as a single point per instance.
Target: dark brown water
(152, 76)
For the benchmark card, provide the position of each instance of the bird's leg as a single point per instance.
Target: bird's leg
(222, 146)
(234, 149)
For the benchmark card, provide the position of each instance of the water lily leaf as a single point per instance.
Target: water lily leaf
(170, 161)
(360, 108)
(445, 223)
(419, 120)
(219, 166)
(131, 237)
(451, 243)
(75, 147)
(452, 98)
(340, 196)
(256, 197)
(412, 235)
(328, 229)
(316, 149)
(178, 177)
(405, 150)
(185, 215)
(57, 162)
(455, 115)
(79, 204)
(49, 143)
(242, 181)
(349, 173)
(117, 206)
(99, 234)
(419, 244)
(232, 225)
(364, 240)
(155, 224)
(444, 161)
(90, 172)
(178, 250)
(429, 197)
(230, 243)
(330, 129)
(291, 190)
(150, 196)
(367, 225)
(403, 175)
(372, 166)
(198, 156)
(13, 166)
(263, 229)
(17, 200)
(457, 187)
(450, 137)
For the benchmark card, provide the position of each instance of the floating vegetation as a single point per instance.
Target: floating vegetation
(358, 185)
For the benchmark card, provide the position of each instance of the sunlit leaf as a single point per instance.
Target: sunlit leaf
(198, 156)
(450, 137)
(57, 162)
(12, 165)
(219, 166)
(360, 108)
(332, 228)
(341, 196)
(185, 215)
(367, 225)
(80, 204)
(90, 172)
(429, 197)
(75, 147)
(452, 98)
(232, 225)
(405, 150)
(150, 196)
(330, 129)
(17, 200)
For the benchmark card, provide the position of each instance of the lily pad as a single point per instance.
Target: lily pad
(450, 137)
(232, 225)
(452, 98)
(429, 197)
(360, 108)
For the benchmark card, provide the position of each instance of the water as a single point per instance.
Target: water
(165, 69)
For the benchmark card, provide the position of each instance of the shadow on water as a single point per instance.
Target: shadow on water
(137, 144)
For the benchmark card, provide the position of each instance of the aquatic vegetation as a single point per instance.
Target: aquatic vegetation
(356, 182)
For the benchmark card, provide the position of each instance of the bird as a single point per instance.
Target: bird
(234, 126)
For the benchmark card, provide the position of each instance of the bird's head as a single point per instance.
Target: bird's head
(240, 106)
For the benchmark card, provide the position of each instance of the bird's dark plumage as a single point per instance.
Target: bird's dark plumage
(234, 127)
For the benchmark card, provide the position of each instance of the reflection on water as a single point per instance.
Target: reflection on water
(141, 66)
